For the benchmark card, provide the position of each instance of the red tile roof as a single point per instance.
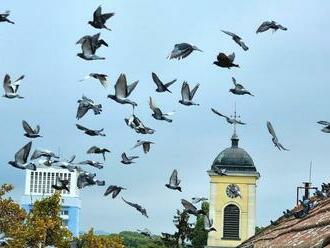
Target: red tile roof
(312, 231)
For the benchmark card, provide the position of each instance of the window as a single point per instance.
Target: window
(231, 222)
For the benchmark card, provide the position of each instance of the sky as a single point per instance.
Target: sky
(286, 71)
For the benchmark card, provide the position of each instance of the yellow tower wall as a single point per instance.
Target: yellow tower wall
(219, 200)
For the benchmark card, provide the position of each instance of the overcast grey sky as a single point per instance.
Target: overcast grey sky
(287, 71)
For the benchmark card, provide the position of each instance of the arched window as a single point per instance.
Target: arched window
(231, 222)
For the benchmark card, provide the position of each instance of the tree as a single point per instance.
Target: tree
(199, 235)
(137, 240)
(89, 240)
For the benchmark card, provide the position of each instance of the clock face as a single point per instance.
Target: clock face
(233, 191)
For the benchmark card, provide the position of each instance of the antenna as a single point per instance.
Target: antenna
(235, 117)
(310, 172)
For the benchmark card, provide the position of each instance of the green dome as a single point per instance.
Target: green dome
(234, 159)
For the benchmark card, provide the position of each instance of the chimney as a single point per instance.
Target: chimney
(307, 186)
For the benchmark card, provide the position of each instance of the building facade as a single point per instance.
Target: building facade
(38, 185)
(232, 197)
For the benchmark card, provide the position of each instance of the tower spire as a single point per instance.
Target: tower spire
(234, 138)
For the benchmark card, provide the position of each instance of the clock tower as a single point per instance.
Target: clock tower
(233, 178)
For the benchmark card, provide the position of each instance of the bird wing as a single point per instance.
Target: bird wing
(325, 123)
(124, 156)
(193, 91)
(223, 57)
(82, 39)
(92, 149)
(82, 110)
(170, 83)
(97, 14)
(106, 16)
(242, 44)
(131, 87)
(281, 27)
(231, 57)
(264, 27)
(22, 155)
(87, 47)
(138, 143)
(156, 80)
(73, 157)
(271, 129)
(134, 205)
(109, 190)
(80, 127)
(7, 85)
(28, 129)
(121, 86)
(218, 113)
(234, 81)
(231, 34)
(174, 178)
(152, 105)
(188, 205)
(116, 192)
(185, 91)
(181, 50)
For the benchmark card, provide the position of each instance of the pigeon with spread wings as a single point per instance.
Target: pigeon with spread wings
(29, 131)
(270, 25)
(237, 39)
(239, 89)
(174, 181)
(123, 90)
(157, 113)
(274, 137)
(161, 87)
(138, 207)
(182, 50)
(91, 132)
(99, 19)
(225, 61)
(187, 94)
(11, 88)
(21, 158)
(228, 119)
(114, 190)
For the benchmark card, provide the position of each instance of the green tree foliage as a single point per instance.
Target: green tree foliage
(137, 240)
(89, 240)
(199, 235)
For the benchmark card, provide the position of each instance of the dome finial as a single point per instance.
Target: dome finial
(234, 137)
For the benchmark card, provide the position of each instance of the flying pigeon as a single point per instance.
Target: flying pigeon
(237, 39)
(29, 131)
(229, 120)
(4, 17)
(91, 132)
(225, 61)
(100, 19)
(122, 91)
(21, 158)
(4, 240)
(135, 123)
(86, 104)
(182, 50)
(158, 114)
(208, 224)
(98, 150)
(190, 208)
(239, 89)
(145, 144)
(325, 129)
(127, 159)
(196, 200)
(274, 137)
(89, 45)
(11, 88)
(61, 184)
(174, 181)
(160, 86)
(43, 153)
(114, 190)
(138, 207)
(67, 164)
(88, 179)
(93, 163)
(270, 25)
(145, 232)
(102, 78)
(187, 94)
